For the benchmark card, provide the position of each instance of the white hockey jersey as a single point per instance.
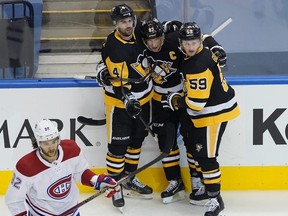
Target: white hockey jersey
(48, 188)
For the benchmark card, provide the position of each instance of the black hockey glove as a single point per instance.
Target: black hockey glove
(171, 26)
(221, 54)
(103, 77)
(132, 105)
(168, 101)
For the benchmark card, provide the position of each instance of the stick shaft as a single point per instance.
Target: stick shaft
(170, 131)
(126, 178)
(221, 27)
(146, 126)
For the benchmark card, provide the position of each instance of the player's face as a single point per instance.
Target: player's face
(50, 148)
(191, 46)
(125, 26)
(155, 44)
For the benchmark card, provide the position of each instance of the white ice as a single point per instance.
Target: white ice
(237, 203)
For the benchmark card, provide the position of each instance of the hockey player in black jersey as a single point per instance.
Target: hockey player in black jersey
(210, 103)
(163, 60)
(125, 101)
(164, 57)
(208, 41)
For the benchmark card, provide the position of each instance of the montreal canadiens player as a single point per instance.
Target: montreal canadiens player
(45, 179)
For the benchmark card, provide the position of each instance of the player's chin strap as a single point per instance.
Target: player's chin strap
(170, 131)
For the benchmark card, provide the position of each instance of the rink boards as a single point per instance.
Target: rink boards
(253, 153)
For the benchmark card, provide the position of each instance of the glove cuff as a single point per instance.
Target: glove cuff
(94, 179)
(204, 36)
(217, 47)
(128, 97)
(174, 100)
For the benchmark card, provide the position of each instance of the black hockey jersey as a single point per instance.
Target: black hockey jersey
(124, 60)
(164, 65)
(209, 98)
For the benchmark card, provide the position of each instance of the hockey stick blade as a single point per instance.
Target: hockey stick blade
(91, 121)
(170, 132)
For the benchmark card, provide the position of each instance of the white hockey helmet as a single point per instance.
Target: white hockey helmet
(46, 130)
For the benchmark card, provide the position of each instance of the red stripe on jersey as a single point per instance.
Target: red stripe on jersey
(86, 177)
(70, 149)
(22, 214)
(30, 165)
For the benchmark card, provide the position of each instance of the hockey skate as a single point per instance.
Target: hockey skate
(216, 207)
(174, 192)
(199, 195)
(118, 200)
(135, 189)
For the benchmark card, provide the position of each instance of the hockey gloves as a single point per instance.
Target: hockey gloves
(103, 77)
(169, 101)
(221, 54)
(171, 26)
(108, 182)
(132, 105)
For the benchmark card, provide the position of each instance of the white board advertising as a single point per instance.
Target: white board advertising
(258, 137)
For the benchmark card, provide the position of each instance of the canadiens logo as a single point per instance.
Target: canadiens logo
(61, 188)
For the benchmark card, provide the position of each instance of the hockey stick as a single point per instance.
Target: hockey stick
(147, 126)
(132, 80)
(91, 121)
(140, 117)
(99, 122)
(129, 80)
(221, 27)
(170, 131)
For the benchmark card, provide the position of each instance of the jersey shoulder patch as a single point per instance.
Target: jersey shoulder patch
(30, 165)
(70, 149)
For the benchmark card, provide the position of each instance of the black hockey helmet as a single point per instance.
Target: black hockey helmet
(121, 11)
(189, 31)
(151, 29)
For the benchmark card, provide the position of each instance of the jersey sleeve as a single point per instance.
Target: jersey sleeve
(209, 41)
(16, 193)
(198, 89)
(82, 173)
(115, 60)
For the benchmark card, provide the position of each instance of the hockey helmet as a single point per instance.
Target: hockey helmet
(121, 11)
(189, 31)
(46, 130)
(151, 29)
